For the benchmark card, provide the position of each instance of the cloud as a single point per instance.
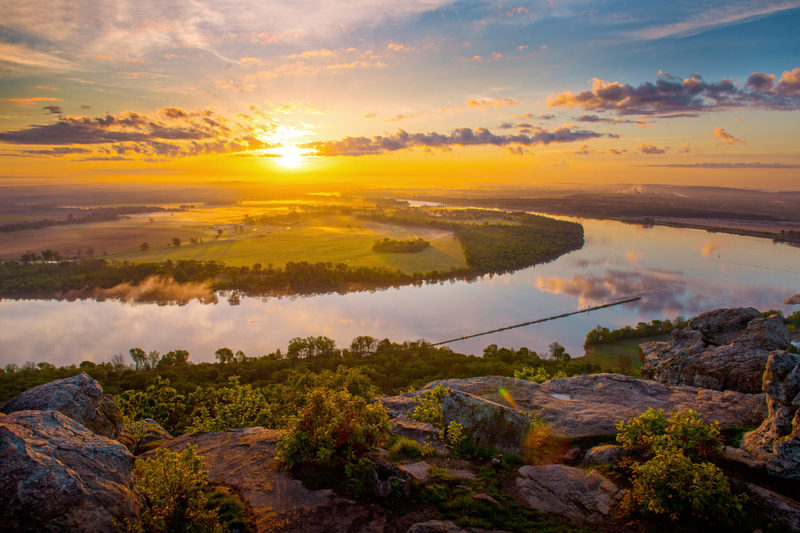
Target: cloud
(357, 146)
(594, 118)
(725, 137)
(486, 102)
(52, 109)
(670, 97)
(724, 166)
(30, 100)
(540, 116)
(650, 149)
(23, 56)
(706, 19)
(172, 132)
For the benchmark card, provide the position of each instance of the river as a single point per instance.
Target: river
(675, 271)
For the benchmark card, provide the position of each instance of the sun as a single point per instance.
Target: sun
(290, 156)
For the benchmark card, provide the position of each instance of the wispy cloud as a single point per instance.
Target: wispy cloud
(709, 19)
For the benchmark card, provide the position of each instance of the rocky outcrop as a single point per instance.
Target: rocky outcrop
(423, 433)
(143, 435)
(777, 439)
(56, 475)
(724, 349)
(590, 405)
(486, 422)
(244, 459)
(607, 454)
(779, 510)
(79, 397)
(584, 497)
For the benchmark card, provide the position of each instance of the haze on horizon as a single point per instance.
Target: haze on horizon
(423, 93)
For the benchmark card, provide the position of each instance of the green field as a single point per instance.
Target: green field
(334, 239)
(608, 355)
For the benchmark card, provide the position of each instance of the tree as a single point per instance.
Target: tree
(144, 247)
(118, 362)
(559, 353)
(139, 357)
(363, 345)
(176, 242)
(224, 355)
(153, 358)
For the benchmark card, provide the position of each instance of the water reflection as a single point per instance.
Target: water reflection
(667, 267)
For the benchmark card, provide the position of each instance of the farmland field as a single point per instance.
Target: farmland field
(219, 234)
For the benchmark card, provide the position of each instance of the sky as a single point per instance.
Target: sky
(418, 93)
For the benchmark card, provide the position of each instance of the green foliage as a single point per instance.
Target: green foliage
(428, 406)
(453, 435)
(233, 406)
(333, 430)
(388, 245)
(158, 401)
(601, 335)
(538, 374)
(650, 433)
(674, 477)
(404, 448)
(174, 487)
(671, 484)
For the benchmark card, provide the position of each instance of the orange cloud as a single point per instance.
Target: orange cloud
(726, 138)
(487, 102)
(32, 100)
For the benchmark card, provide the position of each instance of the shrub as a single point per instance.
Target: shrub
(333, 429)
(428, 407)
(537, 374)
(405, 448)
(671, 484)
(453, 435)
(174, 487)
(650, 432)
(234, 406)
(674, 477)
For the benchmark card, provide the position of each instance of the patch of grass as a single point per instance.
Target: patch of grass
(334, 239)
(613, 355)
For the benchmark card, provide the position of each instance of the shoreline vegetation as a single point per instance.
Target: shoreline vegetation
(517, 240)
(647, 212)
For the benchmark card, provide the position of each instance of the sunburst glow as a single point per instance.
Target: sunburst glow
(290, 156)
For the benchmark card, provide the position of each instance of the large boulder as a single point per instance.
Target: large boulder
(79, 397)
(244, 459)
(724, 349)
(722, 326)
(583, 497)
(590, 405)
(56, 475)
(777, 440)
(486, 422)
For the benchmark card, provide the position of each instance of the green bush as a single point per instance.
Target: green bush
(674, 477)
(404, 448)
(174, 488)
(671, 484)
(333, 430)
(538, 374)
(428, 406)
(234, 406)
